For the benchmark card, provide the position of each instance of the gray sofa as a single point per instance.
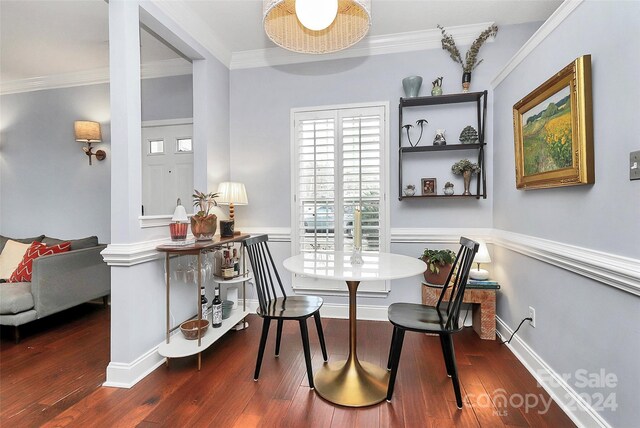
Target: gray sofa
(59, 281)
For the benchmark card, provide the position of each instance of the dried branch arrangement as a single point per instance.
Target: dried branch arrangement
(471, 58)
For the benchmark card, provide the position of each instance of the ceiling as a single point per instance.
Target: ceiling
(48, 37)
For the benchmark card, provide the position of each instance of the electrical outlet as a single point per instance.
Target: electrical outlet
(532, 315)
(634, 165)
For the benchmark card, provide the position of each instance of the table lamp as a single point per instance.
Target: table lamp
(179, 224)
(481, 257)
(231, 193)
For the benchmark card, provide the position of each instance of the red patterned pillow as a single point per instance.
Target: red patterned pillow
(37, 249)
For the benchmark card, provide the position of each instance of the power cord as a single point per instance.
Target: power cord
(514, 333)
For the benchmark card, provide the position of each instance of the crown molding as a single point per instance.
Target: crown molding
(556, 18)
(164, 68)
(373, 45)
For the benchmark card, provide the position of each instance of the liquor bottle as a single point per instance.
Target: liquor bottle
(236, 263)
(216, 310)
(227, 266)
(203, 304)
(217, 263)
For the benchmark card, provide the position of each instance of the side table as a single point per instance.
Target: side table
(483, 310)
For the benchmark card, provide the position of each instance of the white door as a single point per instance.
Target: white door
(167, 168)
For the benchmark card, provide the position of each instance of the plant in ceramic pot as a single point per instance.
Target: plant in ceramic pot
(465, 168)
(439, 264)
(204, 223)
(470, 61)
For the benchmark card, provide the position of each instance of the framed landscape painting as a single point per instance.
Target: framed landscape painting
(553, 130)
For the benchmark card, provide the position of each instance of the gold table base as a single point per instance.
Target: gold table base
(350, 382)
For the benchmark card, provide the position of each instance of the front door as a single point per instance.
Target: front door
(167, 168)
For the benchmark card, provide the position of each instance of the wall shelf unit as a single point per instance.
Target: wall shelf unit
(480, 98)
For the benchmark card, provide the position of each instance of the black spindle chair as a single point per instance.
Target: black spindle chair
(442, 319)
(274, 304)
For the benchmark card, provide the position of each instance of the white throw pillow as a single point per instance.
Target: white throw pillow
(11, 256)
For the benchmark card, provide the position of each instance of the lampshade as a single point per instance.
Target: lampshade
(232, 193)
(87, 131)
(482, 256)
(284, 28)
(180, 215)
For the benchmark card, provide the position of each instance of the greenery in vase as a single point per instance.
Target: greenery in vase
(463, 165)
(471, 58)
(435, 259)
(204, 202)
(448, 184)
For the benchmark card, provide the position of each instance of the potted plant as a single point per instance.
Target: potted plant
(471, 58)
(203, 222)
(465, 167)
(439, 264)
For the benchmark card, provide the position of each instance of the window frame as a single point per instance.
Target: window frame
(381, 288)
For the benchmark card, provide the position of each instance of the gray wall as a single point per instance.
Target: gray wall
(261, 100)
(47, 185)
(581, 324)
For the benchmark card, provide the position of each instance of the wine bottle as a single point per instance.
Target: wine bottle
(227, 266)
(203, 304)
(216, 310)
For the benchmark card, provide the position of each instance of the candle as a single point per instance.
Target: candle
(357, 237)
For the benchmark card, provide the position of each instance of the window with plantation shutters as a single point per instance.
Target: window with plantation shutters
(338, 164)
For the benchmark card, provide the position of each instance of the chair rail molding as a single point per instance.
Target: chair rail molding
(610, 269)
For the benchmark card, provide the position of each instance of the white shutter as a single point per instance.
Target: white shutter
(338, 164)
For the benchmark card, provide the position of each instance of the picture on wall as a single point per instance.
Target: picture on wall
(429, 187)
(553, 130)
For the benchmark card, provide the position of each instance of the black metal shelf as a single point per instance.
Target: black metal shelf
(445, 148)
(441, 99)
(480, 99)
(443, 196)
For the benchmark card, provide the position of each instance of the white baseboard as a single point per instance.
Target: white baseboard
(580, 412)
(125, 375)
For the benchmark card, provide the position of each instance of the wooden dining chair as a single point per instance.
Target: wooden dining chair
(442, 319)
(274, 304)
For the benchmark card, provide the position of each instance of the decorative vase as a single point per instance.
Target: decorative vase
(411, 86)
(204, 227)
(467, 181)
(448, 190)
(437, 90)
(438, 278)
(410, 190)
(466, 81)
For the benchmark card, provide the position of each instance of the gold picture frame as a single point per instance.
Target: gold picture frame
(553, 131)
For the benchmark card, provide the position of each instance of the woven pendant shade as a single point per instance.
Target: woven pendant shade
(283, 27)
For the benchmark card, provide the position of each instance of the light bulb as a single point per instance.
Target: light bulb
(316, 15)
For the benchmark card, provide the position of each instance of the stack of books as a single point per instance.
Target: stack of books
(487, 284)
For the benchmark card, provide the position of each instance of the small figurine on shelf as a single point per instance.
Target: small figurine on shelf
(409, 190)
(448, 188)
(469, 135)
(439, 139)
(437, 87)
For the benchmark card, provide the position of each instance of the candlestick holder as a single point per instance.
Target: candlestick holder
(356, 256)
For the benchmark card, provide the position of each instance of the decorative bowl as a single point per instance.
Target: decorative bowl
(190, 328)
(227, 305)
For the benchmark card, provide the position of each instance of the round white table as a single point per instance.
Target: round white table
(352, 382)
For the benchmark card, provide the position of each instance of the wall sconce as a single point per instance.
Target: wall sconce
(89, 132)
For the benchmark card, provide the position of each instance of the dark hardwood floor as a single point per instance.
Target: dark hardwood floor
(53, 377)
